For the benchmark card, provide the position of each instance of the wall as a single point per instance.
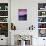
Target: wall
(32, 11)
(31, 7)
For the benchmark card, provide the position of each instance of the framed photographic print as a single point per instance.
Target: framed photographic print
(22, 14)
(3, 19)
(42, 32)
(4, 29)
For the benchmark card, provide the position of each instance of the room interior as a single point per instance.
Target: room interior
(22, 23)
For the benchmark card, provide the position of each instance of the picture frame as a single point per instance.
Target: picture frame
(22, 14)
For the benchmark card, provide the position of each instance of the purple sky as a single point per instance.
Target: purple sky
(22, 11)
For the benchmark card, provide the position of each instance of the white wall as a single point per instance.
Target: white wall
(31, 7)
(32, 14)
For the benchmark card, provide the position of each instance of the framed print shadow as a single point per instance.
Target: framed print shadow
(22, 14)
